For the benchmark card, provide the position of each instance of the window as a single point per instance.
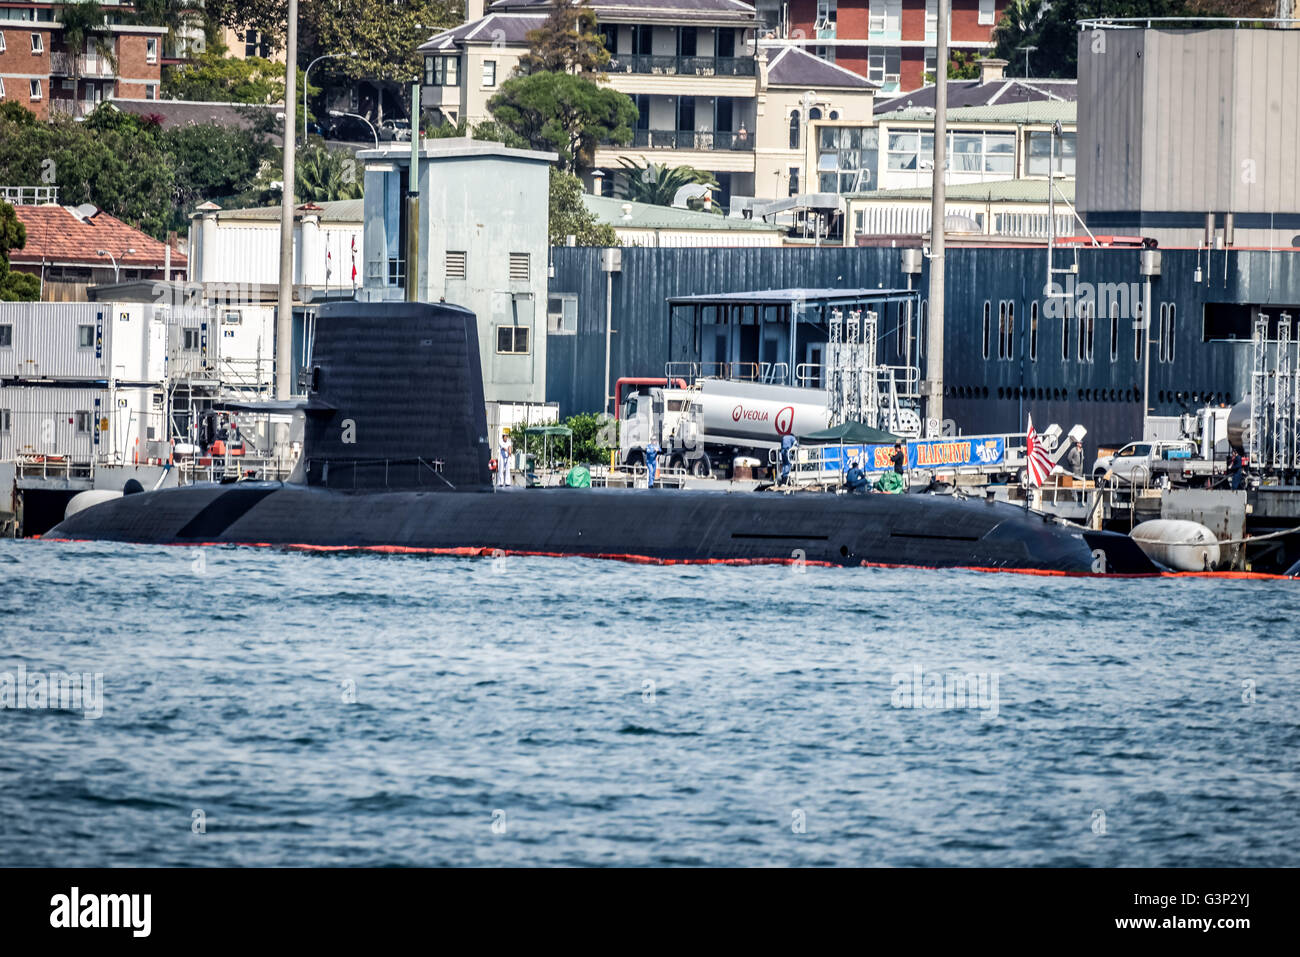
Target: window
(987, 13)
(1087, 329)
(1164, 328)
(1065, 333)
(794, 129)
(884, 17)
(456, 264)
(931, 18)
(519, 267)
(931, 60)
(923, 328)
(2, 88)
(38, 43)
(1011, 330)
(986, 328)
(1033, 332)
(6, 420)
(190, 340)
(512, 340)
(254, 44)
(6, 336)
(151, 91)
(83, 423)
(1040, 153)
(1114, 331)
(85, 337)
(794, 180)
(1173, 314)
(232, 317)
(442, 70)
(151, 49)
(489, 72)
(1002, 329)
(884, 65)
(35, 89)
(846, 158)
(562, 314)
(2, 42)
(1139, 327)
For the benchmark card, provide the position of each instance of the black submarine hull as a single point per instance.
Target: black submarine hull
(637, 525)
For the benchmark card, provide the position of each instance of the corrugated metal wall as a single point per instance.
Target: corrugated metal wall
(984, 395)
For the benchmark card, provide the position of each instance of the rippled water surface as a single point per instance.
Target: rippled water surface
(271, 708)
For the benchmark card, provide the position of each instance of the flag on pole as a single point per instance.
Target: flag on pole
(329, 266)
(1038, 463)
(354, 262)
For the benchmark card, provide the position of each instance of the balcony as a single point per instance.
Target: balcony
(668, 65)
(90, 66)
(691, 140)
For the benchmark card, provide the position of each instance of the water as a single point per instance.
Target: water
(271, 708)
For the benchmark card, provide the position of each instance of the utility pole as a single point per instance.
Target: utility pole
(284, 304)
(933, 387)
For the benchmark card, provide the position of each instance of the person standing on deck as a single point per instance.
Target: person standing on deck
(788, 443)
(899, 458)
(503, 469)
(651, 462)
(1075, 458)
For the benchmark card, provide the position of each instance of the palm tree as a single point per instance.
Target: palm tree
(657, 184)
(82, 22)
(323, 175)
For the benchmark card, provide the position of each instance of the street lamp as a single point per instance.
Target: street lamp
(358, 116)
(117, 272)
(305, 75)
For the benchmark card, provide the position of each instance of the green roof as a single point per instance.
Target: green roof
(332, 211)
(1002, 191)
(610, 210)
(1034, 111)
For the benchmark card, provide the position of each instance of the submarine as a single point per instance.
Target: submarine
(396, 457)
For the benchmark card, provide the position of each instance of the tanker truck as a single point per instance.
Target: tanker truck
(705, 427)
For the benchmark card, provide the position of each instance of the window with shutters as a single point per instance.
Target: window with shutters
(456, 264)
(519, 267)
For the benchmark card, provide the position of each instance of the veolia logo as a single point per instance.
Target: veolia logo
(785, 421)
(749, 415)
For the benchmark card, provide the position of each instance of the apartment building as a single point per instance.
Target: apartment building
(707, 95)
(38, 70)
(891, 42)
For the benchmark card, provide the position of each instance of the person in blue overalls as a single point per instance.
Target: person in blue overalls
(855, 479)
(788, 442)
(651, 462)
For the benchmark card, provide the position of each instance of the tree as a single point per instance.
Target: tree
(267, 17)
(658, 184)
(566, 41)
(213, 162)
(564, 113)
(569, 217)
(214, 76)
(85, 22)
(961, 66)
(324, 175)
(381, 36)
(14, 286)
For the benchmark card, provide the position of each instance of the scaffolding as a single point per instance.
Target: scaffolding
(1258, 390)
(852, 373)
(1283, 415)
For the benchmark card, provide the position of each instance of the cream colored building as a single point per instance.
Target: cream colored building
(705, 97)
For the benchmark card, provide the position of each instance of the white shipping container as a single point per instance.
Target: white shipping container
(246, 345)
(81, 341)
(81, 424)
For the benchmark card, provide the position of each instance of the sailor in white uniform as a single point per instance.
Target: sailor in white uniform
(503, 459)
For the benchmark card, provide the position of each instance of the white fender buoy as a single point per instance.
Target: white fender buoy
(84, 500)
(1182, 545)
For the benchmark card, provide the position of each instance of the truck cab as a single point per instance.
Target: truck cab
(1139, 461)
(674, 418)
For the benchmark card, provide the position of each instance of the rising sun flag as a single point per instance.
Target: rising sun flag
(1039, 465)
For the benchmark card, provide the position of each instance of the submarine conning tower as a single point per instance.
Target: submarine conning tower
(395, 399)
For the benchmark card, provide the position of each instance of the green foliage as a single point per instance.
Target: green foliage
(14, 286)
(489, 131)
(566, 41)
(380, 35)
(569, 217)
(16, 114)
(593, 436)
(658, 184)
(961, 66)
(564, 113)
(324, 175)
(216, 77)
(129, 166)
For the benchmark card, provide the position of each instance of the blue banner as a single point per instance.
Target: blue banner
(921, 454)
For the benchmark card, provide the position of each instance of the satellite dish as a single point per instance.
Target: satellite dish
(688, 192)
(86, 210)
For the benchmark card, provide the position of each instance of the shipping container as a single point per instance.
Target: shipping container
(105, 425)
(85, 342)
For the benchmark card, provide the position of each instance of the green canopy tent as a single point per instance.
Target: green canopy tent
(546, 433)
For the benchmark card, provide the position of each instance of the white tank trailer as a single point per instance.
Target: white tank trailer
(710, 425)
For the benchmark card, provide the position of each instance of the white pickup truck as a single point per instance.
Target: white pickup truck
(1142, 462)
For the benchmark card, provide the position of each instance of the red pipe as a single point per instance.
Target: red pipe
(638, 380)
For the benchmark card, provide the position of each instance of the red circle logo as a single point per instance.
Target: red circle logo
(737, 412)
(785, 421)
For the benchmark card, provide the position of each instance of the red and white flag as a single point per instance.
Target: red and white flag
(354, 261)
(1038, 464)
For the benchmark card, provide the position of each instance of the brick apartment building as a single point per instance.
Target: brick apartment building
(891, 42)
(38, 71)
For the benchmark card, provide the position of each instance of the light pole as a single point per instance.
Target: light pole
(305, 76)
(117, 272)
(358, 116)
